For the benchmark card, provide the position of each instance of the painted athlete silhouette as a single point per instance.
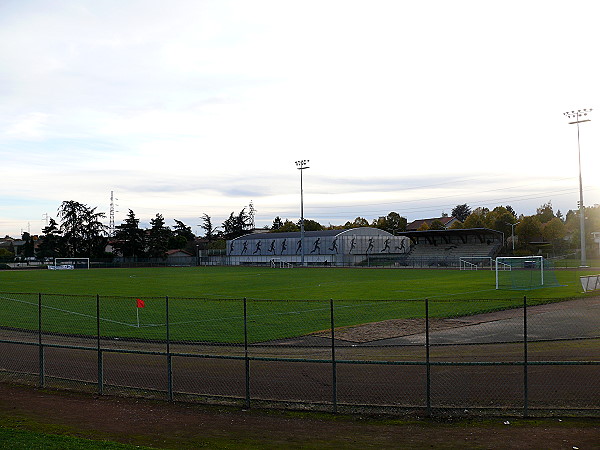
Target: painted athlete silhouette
(334, 245)
(386, 245)
(258, 244)
(317, 246)
(245, 248)
(272, 247)
(352, 244)
(283, 246)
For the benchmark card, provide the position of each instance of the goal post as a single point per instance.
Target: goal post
(475, 263)
(71, 263)
(524, 272)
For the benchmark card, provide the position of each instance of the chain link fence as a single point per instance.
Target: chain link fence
(526, 357)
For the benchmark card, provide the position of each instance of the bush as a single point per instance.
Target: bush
(4, 266)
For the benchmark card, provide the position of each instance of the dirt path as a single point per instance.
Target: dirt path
(167, 425)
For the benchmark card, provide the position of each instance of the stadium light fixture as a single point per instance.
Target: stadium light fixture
(301, 165)
(576, 117)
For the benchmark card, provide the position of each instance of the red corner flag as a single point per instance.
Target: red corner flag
(140, 303)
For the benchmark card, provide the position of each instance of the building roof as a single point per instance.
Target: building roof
(416, 224)
(310, 234)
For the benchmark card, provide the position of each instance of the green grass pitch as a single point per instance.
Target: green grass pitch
(205, 302)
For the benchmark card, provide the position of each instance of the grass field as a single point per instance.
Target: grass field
(205, 302)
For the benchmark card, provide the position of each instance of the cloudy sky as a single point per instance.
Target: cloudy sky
(189, 107)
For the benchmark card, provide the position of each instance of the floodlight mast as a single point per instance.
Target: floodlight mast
(301, 165)
(577, 116)
(512, 234)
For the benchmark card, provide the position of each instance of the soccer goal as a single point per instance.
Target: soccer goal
(71, 263)
(475, 263)
(524, 272)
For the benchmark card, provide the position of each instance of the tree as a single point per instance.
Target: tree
(71, 214)
(236, 226)
(288, 226)
(28, 247)
(545, 212)
(311, 225)
(529, 229)
(209, 230)
(277, 223)
(94, 233)
(129, 237)
(50, 242)
(461, 212)
(83, 234)
(158, 237)
(392, 223)
(475, 220)
(500, 219)
(358, 222)
(554, 231)
(437, 225)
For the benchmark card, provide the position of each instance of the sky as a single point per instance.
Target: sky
(193, 107)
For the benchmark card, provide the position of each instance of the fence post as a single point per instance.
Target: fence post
(246, 360)
(525, 361)
(40, 345)
(169, 357)
(99, 348)
(333, 361)
(427, 359)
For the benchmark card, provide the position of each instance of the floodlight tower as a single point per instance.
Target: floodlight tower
(111, 217)
(301, 165)
(577, 116)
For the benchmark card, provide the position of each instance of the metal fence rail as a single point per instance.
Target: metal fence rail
(514, 357)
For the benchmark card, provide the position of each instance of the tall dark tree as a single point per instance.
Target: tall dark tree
(158, 237)
(461, 212)
(210, 232)
(83, 234)
(50, 242)
(129, 237)
(181, 236)
(72, 215)
(236, 226)
(94, 233)
(27, 250)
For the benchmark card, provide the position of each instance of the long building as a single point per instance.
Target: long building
(329, 247)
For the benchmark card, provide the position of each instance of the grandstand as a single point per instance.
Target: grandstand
(444, 248)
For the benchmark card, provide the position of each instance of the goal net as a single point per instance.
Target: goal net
(476, 263)
(70, 263)
(524, 272)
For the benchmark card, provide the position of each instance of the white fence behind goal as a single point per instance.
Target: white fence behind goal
(277, 263)
(70, 263)
(475, 263)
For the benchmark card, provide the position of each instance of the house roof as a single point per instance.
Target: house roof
(416, 224)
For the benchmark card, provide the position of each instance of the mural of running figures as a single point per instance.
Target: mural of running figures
(328, 246)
